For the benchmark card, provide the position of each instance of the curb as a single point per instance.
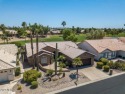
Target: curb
(86, 83)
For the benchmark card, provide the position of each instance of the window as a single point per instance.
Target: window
(44, 60)
(106, 55)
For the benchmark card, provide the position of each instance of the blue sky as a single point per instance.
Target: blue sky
(82, 13)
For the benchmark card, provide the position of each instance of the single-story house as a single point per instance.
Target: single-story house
(55, 32)
(67, 48)
(1, 33)
(7, 62)
(104, 48)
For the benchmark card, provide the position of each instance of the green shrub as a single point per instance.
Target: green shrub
(17, 71)
(31, 78)
(39, 74)
(34, 84)
(123, 67)
(30, 75)
(106, 68)
(19, 87)
(117, 65)
(110, 64)
(49, 72)
(104, 61)
(17, 63)
(99, 65)
(62, 65)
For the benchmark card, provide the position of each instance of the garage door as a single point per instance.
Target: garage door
(3, 77)
(86, 61)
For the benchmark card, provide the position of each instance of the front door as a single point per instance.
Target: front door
(44, 60)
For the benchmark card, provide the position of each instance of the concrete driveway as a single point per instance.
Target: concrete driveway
(92, 73)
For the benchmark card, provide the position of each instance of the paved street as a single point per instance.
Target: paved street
(114, 85)
(93, 73)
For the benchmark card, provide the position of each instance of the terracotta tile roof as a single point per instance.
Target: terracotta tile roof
(103, 44)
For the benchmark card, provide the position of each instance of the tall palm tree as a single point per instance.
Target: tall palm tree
(56, 56)
(24, 25)
(31, 39)
(32, 51)
(37, 51)
(63, 23)
(77, 62)
(3, 28)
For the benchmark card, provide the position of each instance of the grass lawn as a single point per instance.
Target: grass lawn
(52, 38)
(81, 37)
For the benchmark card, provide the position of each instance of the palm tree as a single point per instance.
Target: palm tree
(32, 51)
(63, 23)
(62, 58)
(24, 25)
(3, 37)
(37, 51)
(77, 62)
(25, 35)
(2, 27)
(31, 38)
(56, 56)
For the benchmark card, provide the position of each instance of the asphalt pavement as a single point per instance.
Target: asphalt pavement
(114, 85)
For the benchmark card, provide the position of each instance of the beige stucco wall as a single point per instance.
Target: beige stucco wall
(8, 74)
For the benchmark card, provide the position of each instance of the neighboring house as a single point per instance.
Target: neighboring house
(69, 49)
(1, 33)
(122, 39)
(55, 32)
(104, 48)
(7, 62)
